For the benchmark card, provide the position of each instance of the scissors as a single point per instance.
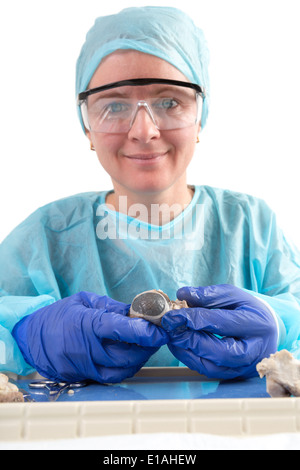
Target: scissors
(55, 388)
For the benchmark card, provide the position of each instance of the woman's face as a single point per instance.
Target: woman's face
(145, 160)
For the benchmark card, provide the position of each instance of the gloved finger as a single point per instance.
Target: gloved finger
(92, 300)
(236, 323)
(216, 296)
(116, 354)
(130, 330)
(208, 368)
(223, 352)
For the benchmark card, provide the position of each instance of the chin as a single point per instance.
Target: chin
(150, 187)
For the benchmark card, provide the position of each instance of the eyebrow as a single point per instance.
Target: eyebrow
(113, 94)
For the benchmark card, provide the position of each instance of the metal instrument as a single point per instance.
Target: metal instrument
(55, 388)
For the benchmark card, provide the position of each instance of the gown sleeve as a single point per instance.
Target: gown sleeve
(27, 283)
(276, 268)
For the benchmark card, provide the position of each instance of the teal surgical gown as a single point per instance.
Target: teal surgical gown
(79, 243)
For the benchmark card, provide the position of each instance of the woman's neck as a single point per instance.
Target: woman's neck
(156, 208)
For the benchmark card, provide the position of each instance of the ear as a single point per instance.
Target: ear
(88, 134)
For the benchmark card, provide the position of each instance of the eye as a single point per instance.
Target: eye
(117, 107)
(166, 103)
(150, 305)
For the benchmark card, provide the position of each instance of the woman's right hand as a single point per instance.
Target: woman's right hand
(87, 336)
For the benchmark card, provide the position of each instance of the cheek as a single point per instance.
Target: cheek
(184, 142)
(107, 147)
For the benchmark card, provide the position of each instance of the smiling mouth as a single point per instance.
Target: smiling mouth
(146, 157)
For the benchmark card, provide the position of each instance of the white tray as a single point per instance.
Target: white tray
(226, 417)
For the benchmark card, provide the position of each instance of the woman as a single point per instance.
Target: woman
(71, 270)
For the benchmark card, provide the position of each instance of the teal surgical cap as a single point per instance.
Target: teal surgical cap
(164, 32)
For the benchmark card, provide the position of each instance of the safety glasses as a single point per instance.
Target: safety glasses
(113, 108)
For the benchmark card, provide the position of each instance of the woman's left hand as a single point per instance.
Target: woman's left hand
(245, 327)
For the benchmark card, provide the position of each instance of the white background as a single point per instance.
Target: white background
(251, 141)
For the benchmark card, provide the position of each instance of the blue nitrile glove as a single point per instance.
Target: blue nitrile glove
(87, 336)
(246, 328)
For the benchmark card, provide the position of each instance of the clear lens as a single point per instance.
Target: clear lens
(114, 111)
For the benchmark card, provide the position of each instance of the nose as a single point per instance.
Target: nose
(143, 127)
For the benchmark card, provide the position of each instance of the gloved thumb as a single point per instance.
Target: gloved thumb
(216, 296)
(103, 302)
(175, 320)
